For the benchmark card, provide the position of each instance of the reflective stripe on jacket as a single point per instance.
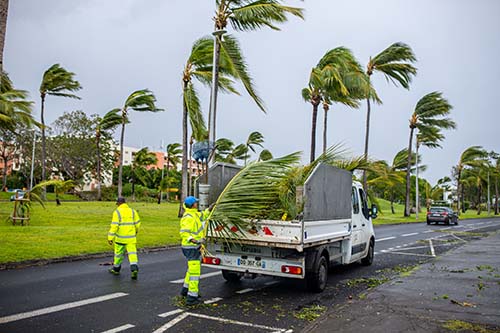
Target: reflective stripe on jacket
(124, 225)
(192, 226)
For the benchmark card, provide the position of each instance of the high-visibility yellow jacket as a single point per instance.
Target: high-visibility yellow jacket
(193, 226)
(124, 225)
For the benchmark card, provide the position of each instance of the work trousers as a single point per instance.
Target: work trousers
(131, 249)
(192, 278)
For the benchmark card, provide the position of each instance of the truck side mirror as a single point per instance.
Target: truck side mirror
(373, 211)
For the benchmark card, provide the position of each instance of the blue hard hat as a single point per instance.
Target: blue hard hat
(190, 201)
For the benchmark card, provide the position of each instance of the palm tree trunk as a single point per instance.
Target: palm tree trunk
(408, 178)
(120, 167)
(4, 173)
(392, 204)
(325, 127)
(463, 198)
(367, 136)
(313, 132)
(496, 195)
(44, 147)
(479, 193)
(184, 184)
(98, 138)
(168, 182)
(459, 190)
(4, 10)
(212, 117)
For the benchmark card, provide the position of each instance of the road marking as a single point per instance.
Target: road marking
(432, 248)
(202, 276)
(411, 254)
(407, 235)
(244, 291)
(119, 329)
(171, 323)
(384, 239)
(60, 307)
(170, 313)
(235, 322)
(427, 231)
(213, 300)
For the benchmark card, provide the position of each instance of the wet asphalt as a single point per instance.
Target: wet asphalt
(151, 304)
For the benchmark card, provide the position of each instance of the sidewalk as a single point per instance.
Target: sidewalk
(463, 285)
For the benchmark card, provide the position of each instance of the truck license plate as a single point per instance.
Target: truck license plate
(251, 263)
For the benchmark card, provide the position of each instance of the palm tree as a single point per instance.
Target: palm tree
(338, 77)
(141, 101)
(473, 156)
(254, 139)
(56, 81)
(14, 107)
(142, 159)
(265, 155)
(244, 15)
(395, 62)
(174, 156)
(429, 116)
(62, 187)
(4, 10)
(109, 122)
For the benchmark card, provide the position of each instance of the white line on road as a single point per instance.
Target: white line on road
(432, 248)
(119, 329)
(202, 276)
(170, 313)
(384, 239)
(171, 323)
(411, 254)
(427, 231)
(61, 307)
(407, 235)
(213, 300)
(244, 291)
(235, 322)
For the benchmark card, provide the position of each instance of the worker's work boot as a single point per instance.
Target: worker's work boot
(191, 301)
(135, 272)
(184, 291)
(114, 270)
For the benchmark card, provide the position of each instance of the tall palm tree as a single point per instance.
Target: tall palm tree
(56, 81)
(141, 101)
(14, 106)
(142, 159)
(265, 155)
(109, 122)
(174, 156)
(4, 11)
(429, 116)
(395, 62)
(338, 77)
(254, 139)
(473, 156)
(243, 15)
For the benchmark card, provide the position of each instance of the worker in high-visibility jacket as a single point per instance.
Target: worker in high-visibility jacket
(125, 225)
(192, 232)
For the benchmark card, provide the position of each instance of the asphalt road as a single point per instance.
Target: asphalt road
(83, 297)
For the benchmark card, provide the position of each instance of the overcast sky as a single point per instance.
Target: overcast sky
(118, 46)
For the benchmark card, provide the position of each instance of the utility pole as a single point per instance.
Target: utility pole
(162, 169)
(32, 160)
(416, 180)
(489, 201)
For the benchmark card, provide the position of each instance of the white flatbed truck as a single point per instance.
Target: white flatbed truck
(335, 228)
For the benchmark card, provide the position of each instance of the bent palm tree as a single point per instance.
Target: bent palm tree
(430, 116)
(142, 159)
(56, 81)
(254, 139)
(14, 106)
(473, 156)
(174, 155)
(109, 122)
(395, 62)
(141, 101)
(243, 15)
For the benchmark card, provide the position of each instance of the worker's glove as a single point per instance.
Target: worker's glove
(194, 241)
(110, 242)
(201, 241)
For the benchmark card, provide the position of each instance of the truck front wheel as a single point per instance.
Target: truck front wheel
(316, 280)
(368, 260)
(231, 276)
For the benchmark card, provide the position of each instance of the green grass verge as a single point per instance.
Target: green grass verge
(76, 228)
(386, 217)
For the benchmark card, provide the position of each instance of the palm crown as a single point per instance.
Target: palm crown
(57, 81)
(14, 106)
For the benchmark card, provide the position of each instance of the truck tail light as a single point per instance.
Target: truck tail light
(211, 261)
(295, 270)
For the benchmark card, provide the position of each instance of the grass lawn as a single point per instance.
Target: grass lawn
(386, 217)
(78, 228)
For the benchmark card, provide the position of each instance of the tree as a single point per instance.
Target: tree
(8, 152)
(4, 11)
(265, 155)
(174, 156)
(473, 156)
(244, 15)
(140, 101)
(338, 77)
(102, 130)
(61, 188)
(141, 160)
(56, 81)
(395, 62)
(15, 109)
(254, 139)
(429, 116)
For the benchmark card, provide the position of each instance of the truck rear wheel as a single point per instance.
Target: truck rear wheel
(368, 260)
(231, 276)
(316, 280)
